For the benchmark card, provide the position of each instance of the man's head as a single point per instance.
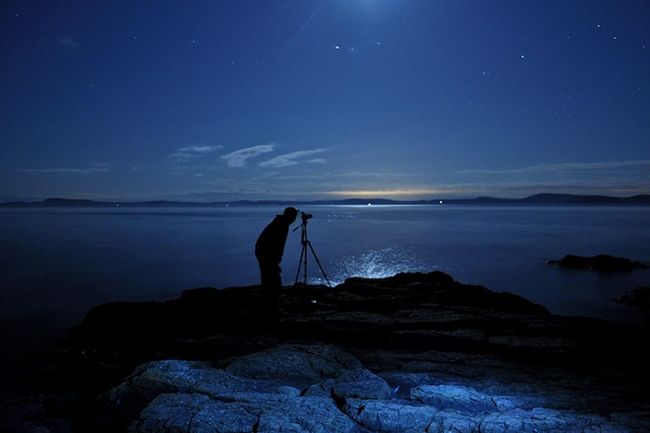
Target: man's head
(290, 213)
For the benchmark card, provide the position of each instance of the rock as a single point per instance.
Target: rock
(472, 295)
(358, 312)
(176, 391)
(18, 415)
(404, 416)
(409, 290)
(599, 263)
(172, 376)
(193, 413)
(358, 383)
(401, 382)
(454, 397)
(540, 420)
(422, 353)
(295, 365)
(638, 297)
(196, 413)
(361, 383)
(259, 393)
(391, 416)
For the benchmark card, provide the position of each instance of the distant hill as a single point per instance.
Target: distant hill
(533, 200)
(547, 199)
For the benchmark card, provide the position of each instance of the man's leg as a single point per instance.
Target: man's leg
(271, 284)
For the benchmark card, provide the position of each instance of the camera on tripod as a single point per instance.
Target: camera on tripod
(304, 252)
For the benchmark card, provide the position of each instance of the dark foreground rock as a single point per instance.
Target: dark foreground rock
(409, 353)
(181, 396)
(599, 263)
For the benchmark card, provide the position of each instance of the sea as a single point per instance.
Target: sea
(57, 263)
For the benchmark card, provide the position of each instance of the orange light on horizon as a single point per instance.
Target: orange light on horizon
(386, 193)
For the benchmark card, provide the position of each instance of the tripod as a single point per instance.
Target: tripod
(302, 262)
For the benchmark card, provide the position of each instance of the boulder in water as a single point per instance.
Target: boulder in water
(599, 263)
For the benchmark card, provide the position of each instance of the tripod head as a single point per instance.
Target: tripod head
(305, 218)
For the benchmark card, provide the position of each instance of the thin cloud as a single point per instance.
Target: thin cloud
(564, 167)
(183, 154)
(239, 157)
(200, 149)
(68, 42)
(84, 171)
(294, 158)
(608, 178)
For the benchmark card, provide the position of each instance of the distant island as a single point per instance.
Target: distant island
(533, 200)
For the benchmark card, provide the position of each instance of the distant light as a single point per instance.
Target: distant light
(337, 47)
(440, 201)
(313, 301)
(369, 204)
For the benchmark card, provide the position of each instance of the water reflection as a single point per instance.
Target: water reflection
(380, 263)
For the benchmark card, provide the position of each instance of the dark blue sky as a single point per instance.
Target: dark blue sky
(312, 98)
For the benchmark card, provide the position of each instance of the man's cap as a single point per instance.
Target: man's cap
(291, 212)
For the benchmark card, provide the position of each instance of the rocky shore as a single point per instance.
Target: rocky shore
(410, 353)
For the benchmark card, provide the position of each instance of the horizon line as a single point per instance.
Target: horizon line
(369, 200)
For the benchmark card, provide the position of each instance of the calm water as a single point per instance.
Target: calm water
(57, 263)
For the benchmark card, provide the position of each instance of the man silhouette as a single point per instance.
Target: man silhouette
(269, 249)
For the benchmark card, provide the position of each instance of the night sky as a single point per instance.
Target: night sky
(309, 99)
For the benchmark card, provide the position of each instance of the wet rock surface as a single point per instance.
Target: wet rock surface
(409, 353)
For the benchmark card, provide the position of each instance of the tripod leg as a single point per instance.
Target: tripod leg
(303, 252)
(304, 277)
(319, 265)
